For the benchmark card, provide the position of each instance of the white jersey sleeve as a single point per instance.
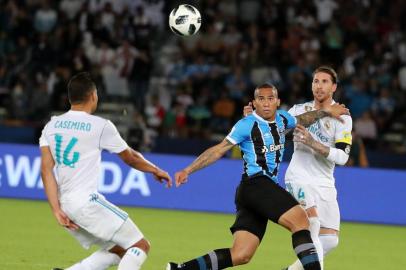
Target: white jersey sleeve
(343, 130)
(43, 141)
(111, 140)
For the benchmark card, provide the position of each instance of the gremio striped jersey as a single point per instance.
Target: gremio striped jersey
(262, 143)
(309, 167)
(76, 140)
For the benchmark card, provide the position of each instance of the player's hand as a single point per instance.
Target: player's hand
(162, 176)
(181, 177)
(248, 109)
(301, 134)
(336, 110)
(64, 220)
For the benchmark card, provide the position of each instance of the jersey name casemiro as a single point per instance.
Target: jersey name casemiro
(262, 143)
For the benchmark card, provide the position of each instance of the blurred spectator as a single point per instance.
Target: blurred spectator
(142, 27)
(360, 99)
(71, 7)
(241, 44)
(155, 113)
(366, 127)
(45, 18)
(325, 10)
(38, 106)
(139, 76)
(358, 156)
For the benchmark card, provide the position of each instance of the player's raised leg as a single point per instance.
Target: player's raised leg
(297, 222)
(244, 246)
(135, 246)
(99, 260)
(314, 229)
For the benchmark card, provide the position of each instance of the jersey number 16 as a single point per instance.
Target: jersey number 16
(64, 159)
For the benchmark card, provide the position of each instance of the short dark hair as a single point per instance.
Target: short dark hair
(265, 85)
(80, 86)
(330, 71)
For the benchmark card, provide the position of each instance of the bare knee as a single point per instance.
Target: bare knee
(240, 256)
(143, 244)
(295, 219)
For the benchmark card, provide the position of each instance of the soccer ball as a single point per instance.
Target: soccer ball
(185, 20)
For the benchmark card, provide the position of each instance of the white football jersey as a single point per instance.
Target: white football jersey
(307, 166)
(76, 140)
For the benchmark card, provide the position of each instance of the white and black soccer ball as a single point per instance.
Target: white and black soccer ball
(185, 20)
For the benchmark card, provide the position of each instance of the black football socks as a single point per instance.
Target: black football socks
(214, 260)
(305, 250)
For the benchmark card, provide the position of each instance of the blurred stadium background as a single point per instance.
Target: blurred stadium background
(176, 95)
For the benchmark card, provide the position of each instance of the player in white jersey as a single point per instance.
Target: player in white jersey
(317, 149)
(72, 144)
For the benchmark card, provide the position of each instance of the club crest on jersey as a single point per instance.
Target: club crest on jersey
(308, 108)
(327, 124)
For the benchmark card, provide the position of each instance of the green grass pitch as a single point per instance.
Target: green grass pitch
(30, 239)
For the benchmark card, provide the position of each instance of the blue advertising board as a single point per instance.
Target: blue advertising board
(365, 195)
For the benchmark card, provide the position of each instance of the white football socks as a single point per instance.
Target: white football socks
(100, 260)
(329, 242)
(133, 259)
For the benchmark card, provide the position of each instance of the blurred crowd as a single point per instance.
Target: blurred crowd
(196, 87)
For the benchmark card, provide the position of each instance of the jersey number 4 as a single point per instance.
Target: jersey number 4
(64, 159)
(300, 193)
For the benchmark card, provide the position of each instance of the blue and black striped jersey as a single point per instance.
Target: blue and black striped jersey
(261, 142)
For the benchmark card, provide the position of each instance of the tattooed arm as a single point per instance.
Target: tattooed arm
(206, 158)
(335, 111)
(308, 118)
(301, 134)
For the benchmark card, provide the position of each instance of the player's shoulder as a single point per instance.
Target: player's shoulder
(306, 106)
(282, 112)
(300, 108)
(247, 120)
(346, 120)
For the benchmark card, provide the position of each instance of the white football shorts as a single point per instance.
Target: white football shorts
(101, 223)
(323, 198)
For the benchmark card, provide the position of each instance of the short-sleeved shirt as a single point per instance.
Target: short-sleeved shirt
(306, 165)
(76, 140)
(262, 143)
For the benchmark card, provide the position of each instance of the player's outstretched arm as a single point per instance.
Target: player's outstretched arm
(206, 158)
(137, 161)
(335, 111)
(51, 188)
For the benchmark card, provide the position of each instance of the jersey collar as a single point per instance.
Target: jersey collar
(312, 103)
(77, 112)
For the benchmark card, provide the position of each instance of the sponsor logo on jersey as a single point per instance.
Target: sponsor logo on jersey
(315, 129)
(272, 148)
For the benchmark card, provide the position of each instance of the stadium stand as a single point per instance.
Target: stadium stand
(161, 90)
